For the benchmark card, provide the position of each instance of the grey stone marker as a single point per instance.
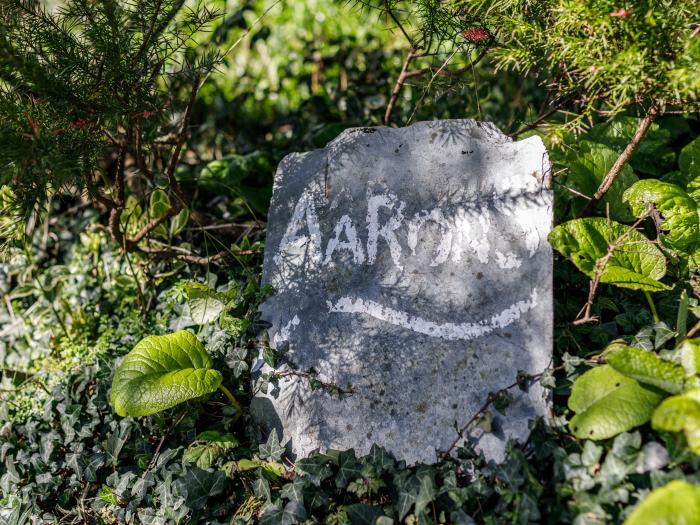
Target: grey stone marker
(412, 264)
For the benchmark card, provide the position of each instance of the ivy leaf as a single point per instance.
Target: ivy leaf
(673, 504)
(361, 514)
(161, 372)
(381, 459)
(407, 495)
(315, 468)
(292, 513)
(198, 485)
(349, 469)
(681, 414)
(294, 491)
(206, 304)
(635, 262)
(272, 448)
(678, 211)
(587, 169)
(427, 491)
(261, 488)
(607, 403)
(647, 367)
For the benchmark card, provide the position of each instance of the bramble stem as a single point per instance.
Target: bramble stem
(232, 399)
(654, 313)
(624, 157)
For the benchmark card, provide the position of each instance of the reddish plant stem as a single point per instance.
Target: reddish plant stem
(624, 157)
(399, 84)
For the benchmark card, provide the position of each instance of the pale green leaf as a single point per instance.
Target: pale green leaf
(234, 326)
(690, 356)
(681, 414)
(161, 372)
(179, 221)
(209, 446)
(607, 403)
(635, 262)
(206, 304)
(679, 213)
(689, 154)
(648, 368)
(159, 204)
(677, 503)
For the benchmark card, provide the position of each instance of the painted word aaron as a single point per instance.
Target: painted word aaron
(462, 229)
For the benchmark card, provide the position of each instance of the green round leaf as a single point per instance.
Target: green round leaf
(159, 204)
(161, 372)
(677, 503)
(649, 368)
(678, 211)
(681, 414)
(607, 403)
(635, 262)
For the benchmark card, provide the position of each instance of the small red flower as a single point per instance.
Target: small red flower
(145, 114)
(476, 34)
(622, 13)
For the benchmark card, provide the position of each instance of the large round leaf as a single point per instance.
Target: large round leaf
(161, 372)
(635, 262)
(678, 211)
(677, 503)
(647, 367)
(607, 403)
(681, 414)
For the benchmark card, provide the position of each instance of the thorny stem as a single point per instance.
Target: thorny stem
(624, 157)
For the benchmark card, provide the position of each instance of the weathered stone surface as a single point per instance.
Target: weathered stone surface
(412, 264)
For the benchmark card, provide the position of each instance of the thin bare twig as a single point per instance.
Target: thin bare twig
(538, 120)
(399, 85)
(624, 157)
(584, 316)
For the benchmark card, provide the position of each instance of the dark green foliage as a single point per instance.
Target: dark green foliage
(90, 86)
(595, 57)
(73, 305)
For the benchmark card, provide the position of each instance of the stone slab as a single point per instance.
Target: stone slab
(412, 264)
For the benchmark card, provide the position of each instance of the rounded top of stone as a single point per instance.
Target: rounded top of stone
(454, 128)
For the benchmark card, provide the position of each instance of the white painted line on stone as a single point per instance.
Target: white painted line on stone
(449, 331)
